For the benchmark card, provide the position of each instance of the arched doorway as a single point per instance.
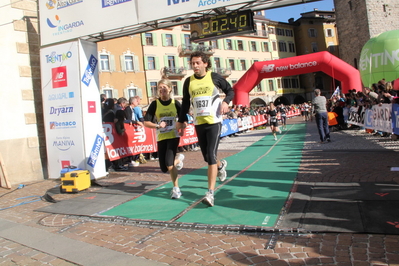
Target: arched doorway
(321, 61)
(281, 100)
(299, 99)
(257, 102)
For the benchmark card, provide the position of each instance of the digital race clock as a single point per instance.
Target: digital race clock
(234, 23)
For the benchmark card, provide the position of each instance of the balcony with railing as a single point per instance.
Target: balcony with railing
(224, 72)
(173, 72)
(188, 49)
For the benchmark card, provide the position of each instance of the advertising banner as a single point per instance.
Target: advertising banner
(91, 109)
(62, 20)
(71, 111)
(258, 120)
(190, 136)
(61, 107)
(170, 8)
(135, 140)
(356, 116)
(379, 58)
(379, 117)
(229, 126)
(395, 118)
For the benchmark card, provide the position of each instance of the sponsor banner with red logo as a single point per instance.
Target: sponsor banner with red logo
(190, 136)
(138, 140)
(135, 140)
(244, 123)
(293, 113)
(258, 120)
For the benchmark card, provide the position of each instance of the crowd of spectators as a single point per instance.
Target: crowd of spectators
(339, 105)
(379, 93)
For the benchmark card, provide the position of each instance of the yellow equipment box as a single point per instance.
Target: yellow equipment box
(75, 181)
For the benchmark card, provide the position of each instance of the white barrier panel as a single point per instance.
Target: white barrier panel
(379, 118)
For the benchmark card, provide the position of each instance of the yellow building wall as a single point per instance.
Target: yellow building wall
(118, 79)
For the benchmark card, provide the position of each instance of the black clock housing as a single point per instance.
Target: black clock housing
(221, 26)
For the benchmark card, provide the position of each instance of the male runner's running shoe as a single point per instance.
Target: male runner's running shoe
(208, 199)
(275, 138)
(222, 174)
(175, 194)
(180, 157)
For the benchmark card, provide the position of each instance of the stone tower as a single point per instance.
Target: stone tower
(359, 20)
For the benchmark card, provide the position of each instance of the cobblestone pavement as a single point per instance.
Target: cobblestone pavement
(352, 156)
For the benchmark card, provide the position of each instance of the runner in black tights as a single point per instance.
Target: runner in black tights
(201, 90)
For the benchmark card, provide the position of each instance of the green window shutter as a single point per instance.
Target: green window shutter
(177, 61)
(174, 39)
(143, 40)
(122, 60)
(136, 66)
(157, 63)
(165, 61)
(112, 63)
(225, 44)
(148, 87)
(163, 39)
(185, 62)
(248, 64)
(222, 64)
(234, 44)
(244, 44)
(154, 38)
(145, 63)
(179, 87)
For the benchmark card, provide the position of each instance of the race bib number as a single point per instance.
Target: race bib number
(170, 124)
(202, 105)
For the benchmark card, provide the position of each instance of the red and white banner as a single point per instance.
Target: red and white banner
(135, 140)
(190, 136)
(138, 140)
(258, 120)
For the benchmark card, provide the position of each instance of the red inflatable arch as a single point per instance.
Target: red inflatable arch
(321, 61)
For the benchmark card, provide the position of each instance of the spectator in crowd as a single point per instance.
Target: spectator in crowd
(140, 120)
(120, 104)
(133, 121)
(319, 104)
(103, 97)
(109, 117)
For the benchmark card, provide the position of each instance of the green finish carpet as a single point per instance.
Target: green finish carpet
(258, 184)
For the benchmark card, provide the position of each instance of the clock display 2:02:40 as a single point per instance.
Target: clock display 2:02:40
(225, 24)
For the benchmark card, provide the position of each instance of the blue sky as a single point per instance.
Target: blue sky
(284, 13)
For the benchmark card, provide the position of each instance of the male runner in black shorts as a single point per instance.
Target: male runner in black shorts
(202, 91)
